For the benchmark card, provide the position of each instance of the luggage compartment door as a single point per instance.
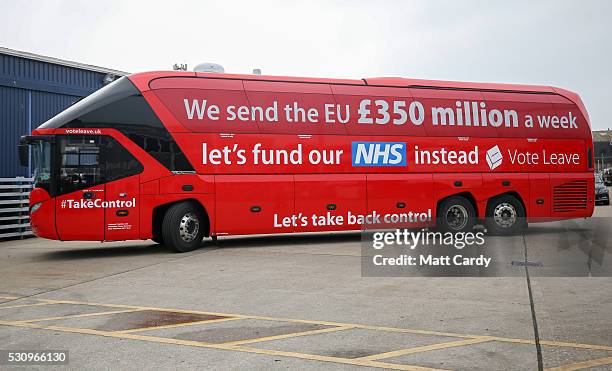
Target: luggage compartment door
(252, 204)
(329, 198)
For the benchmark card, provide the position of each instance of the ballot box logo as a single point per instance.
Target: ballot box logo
(494, 157)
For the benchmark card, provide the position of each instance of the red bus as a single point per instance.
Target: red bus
(179, 156)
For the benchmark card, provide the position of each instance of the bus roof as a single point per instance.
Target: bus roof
(143, 79)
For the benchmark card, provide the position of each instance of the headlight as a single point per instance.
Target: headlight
(35, 207)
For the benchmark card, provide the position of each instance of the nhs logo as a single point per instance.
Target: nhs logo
(379, 153)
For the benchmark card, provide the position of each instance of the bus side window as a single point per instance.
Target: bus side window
(88, 160)
(117, 162)
(79, 162)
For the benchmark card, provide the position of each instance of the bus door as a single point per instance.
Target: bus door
(79, 213)
(98, 189)
(122, 182)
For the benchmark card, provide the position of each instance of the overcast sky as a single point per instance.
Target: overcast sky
(561, 43)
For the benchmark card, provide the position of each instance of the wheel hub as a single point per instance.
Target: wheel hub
(457, 217)
(189, 227)
(505, 215)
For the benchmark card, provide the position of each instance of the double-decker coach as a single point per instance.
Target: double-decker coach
(179, 156)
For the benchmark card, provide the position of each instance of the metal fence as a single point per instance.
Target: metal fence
(14, 207)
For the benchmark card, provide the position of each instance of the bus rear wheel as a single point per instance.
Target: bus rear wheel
(505, 215)
(456, 214)
(183, 227)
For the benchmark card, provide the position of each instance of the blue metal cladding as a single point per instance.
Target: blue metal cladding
(46, 105)
(37, 75)
(31, 92)
(13, 120)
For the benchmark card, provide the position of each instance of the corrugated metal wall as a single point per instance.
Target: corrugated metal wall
(45, 105)
(13, 124)
(31, 92)
(38, 75)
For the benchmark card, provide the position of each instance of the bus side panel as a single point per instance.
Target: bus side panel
(400, 194)
(76, 217)
(249, 204)
(540, 201)
(329, 197)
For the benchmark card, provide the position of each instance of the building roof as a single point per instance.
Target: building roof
(602, 135)
(61, 62)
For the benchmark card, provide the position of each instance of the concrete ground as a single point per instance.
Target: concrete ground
(287, 302)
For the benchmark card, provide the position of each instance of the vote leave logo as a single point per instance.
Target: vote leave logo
(494, 157)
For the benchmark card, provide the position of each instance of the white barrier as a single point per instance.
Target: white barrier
(14, 207)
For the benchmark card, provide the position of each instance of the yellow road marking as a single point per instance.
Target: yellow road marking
(427, 348)
(93, 304)
(178, 325)
(349, 361)
(575, 345)
(314, 357)
(583, 365)
(415, 331)
(82, 315)
(25, 305)
(553, 343)
(340, 324)
(9, 297)
(279, 319)
(287, 336)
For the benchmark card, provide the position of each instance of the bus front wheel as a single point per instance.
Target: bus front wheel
(456, 214)
(505, 215)
(183, 227)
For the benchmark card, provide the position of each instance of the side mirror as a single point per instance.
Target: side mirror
(24, 154)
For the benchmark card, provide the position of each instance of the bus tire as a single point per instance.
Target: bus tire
(183, 227)
(456, 214)
(505, 215)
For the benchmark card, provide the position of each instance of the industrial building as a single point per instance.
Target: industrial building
(602, 141)
(34, 88)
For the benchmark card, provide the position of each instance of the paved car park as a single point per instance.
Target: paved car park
(279, 302)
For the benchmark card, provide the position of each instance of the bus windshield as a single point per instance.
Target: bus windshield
(41, 162)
